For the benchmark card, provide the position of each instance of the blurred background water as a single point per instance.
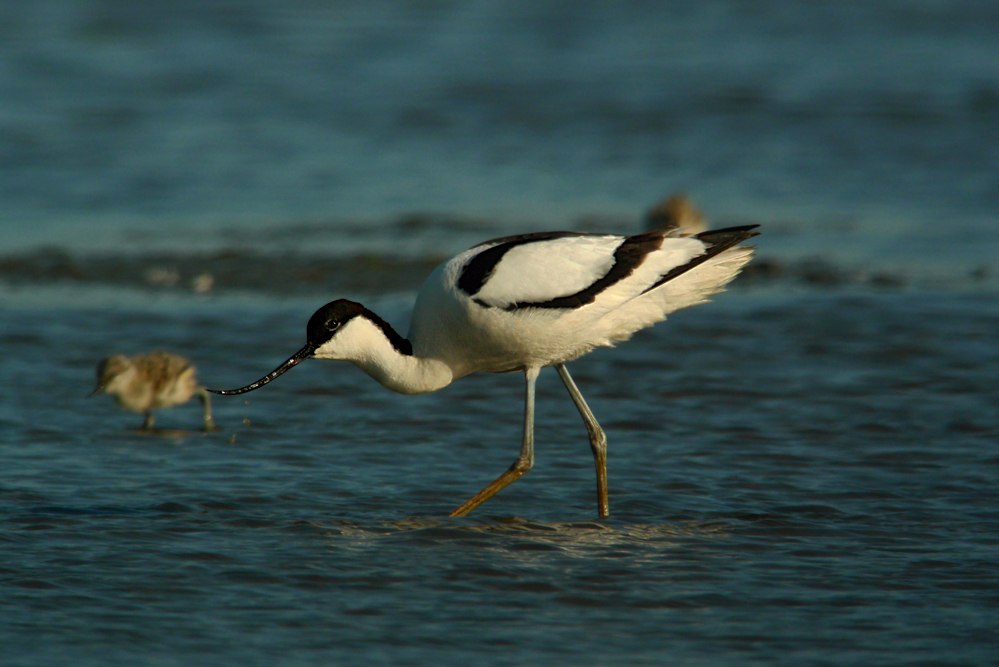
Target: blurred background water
(802, 472)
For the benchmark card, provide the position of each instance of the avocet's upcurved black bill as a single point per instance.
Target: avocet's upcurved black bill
(298, 357)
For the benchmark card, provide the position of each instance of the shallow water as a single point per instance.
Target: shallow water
(801, 473)
(795, 479)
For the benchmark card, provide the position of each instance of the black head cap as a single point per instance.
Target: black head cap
(323, 325)
(325, 322)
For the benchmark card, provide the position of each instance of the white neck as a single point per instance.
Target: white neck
(363, 343)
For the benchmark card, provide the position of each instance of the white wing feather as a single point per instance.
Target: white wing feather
(545, 270)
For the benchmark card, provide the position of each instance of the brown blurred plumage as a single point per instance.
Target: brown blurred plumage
(149, 381)
(676, 212)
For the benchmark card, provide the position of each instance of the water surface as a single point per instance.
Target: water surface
(801, 473)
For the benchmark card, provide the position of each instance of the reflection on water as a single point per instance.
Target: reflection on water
(585, 539)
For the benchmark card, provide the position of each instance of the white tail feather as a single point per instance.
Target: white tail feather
(688, 289)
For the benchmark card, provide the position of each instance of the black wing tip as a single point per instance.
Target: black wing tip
(731, 230)
(729, 235)
(716, 241)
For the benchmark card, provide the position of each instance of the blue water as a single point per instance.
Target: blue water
(801, 473)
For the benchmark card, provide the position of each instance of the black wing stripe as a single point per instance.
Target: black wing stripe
(627, 257)
(718, 241)
(480, 269)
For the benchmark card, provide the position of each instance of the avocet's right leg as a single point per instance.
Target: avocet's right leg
(598, 439)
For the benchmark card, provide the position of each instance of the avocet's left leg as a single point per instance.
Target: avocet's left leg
(598, 440)
(523, 463)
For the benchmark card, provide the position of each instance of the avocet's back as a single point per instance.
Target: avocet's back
(543, 299)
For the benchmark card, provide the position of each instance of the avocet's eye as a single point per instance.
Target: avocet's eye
(329, 319)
